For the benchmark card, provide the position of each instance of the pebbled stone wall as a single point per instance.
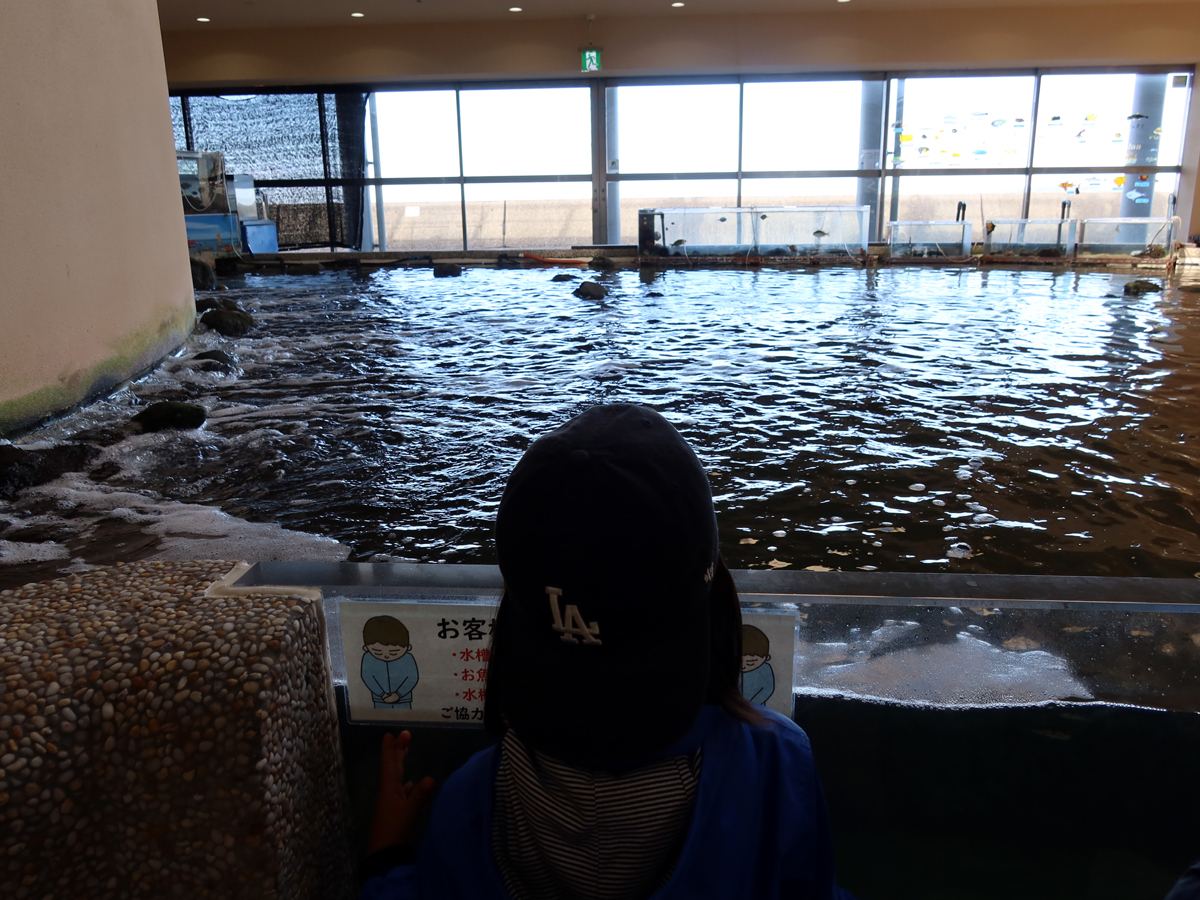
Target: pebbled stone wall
(157, 742)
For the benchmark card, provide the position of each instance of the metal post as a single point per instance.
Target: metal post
(871, 129)
(613, 160)
(380, 221)
(462, 185)
(887, 105)
(186, 109)
(328, 172)
(599, 164)
(897, 127)
(1033, 124)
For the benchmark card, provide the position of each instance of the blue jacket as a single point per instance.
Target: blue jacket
(759, 829)
(758, 685)
(396, 677)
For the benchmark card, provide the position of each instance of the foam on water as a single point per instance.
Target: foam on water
(393, 407)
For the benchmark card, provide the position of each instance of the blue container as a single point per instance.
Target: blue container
(260, 236)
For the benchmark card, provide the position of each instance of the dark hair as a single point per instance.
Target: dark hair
(724, 657)
(385, 630)
(755, 642)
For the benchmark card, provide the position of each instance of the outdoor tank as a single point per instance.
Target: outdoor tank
(1044, 238)
(784, 231)
(929, 240)
(1137, 237)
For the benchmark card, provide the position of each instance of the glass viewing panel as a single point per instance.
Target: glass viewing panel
(526, 131)
(766, 231)
(418, 134)
(678, 128)
(955, 654)
(976, 123)
(796, 125)
(1111, 120)
(529, 215)
(422, 216)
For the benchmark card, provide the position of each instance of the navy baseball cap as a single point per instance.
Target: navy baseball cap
(607, 541)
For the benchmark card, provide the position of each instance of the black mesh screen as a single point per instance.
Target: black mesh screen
(278, 138)
(177, 123)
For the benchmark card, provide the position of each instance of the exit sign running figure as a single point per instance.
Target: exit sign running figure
(589, 60)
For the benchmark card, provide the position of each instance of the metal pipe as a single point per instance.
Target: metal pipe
(380, 222)
(462, 187)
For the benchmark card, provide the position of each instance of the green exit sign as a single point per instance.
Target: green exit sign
(589, 60)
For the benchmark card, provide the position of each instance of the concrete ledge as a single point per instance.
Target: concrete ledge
(160, 742)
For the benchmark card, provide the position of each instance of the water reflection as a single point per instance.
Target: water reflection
(1048, 419)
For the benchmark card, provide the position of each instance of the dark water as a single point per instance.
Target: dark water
(907, 420)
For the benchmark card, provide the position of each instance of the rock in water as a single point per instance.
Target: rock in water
(446, 270)
(20, 468)
(170, 414)
(1141, 286)
(219, 356)
(602, 263)
(203, 276)
(563, 276)
(590, 290)
(229, 322)
(204, 304)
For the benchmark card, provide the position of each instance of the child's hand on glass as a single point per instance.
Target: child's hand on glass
(399, 802)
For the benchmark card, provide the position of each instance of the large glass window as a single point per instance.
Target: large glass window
(796, 125)
(528, 215)
(493, 167)
(418, 134)
(530, 131)
(971, 123)
(1111, 120)
(422, 217)
(678, 128)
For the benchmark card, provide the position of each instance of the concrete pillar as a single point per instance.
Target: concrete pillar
(96, 284)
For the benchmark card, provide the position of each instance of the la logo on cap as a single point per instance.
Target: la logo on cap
(575, 627)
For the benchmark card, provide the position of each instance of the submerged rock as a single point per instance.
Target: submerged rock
(204, 304)
(654, 293)
(602, 263)
(302, 268)
(1141, 286)
(20, 468)
(217, 356)
(590, 290)
(203, 276)
(171, 414)
(446, 270)
(228, 322)
(563, 276)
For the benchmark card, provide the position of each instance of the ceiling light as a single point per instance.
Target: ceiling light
(677, 4)
(514, 9)
(202, 19)
(356, 15)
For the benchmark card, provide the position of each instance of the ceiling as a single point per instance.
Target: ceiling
(177, 15)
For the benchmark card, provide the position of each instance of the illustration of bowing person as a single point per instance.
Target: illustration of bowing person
(388, 668)
(757, 681)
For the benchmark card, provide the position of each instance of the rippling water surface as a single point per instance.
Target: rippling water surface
(904, 420)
